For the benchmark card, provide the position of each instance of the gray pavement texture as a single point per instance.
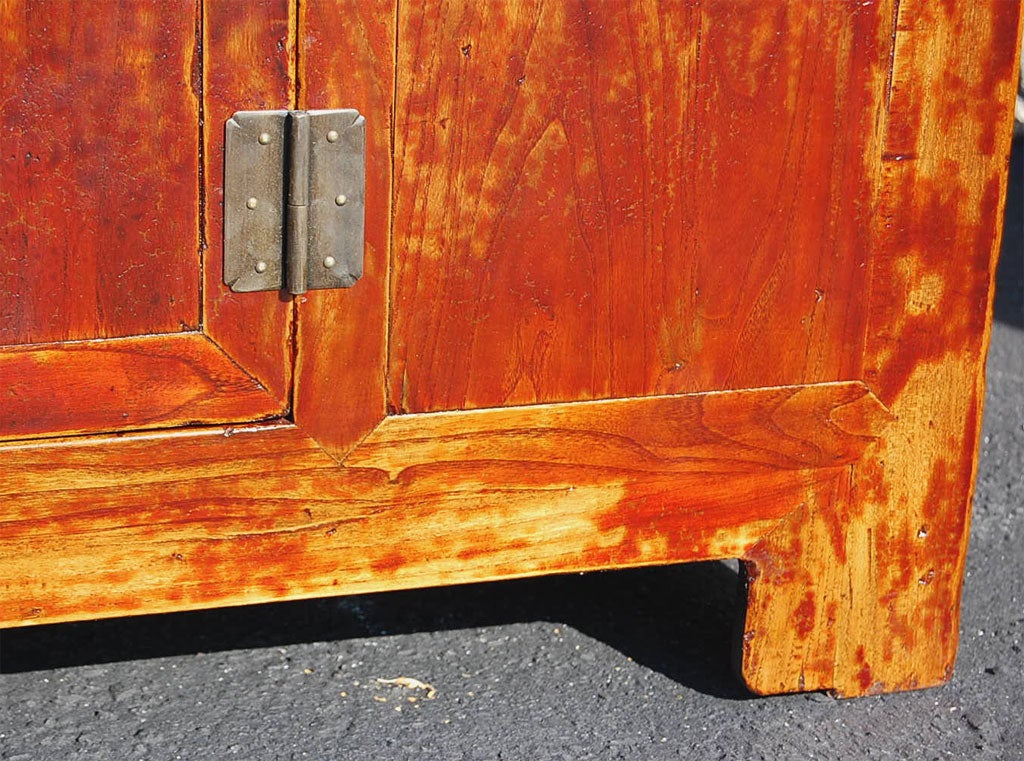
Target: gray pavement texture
(617, 665)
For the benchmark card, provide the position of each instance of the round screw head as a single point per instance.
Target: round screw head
(264, 138)
(329, 262)
(341, 200)
(261, 266)
(332, 136)
(252, 203)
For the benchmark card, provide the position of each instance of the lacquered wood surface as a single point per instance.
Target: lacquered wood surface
(872, 579)
(101, 222)
(218, 517)
(341, 338)
(99, 185)
(713, 434)
(787, 211)
(248, 64)
(124, 384)
(619, 199)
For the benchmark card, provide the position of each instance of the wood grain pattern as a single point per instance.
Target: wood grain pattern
(248, 56)
(342, 334)
(678, 204)
(124, 384)
(218, 517)
(157, 457)
(98, 173)
(796, 427)
(872, 578)
(769, 228)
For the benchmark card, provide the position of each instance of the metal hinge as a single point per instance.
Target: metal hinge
(293, 200)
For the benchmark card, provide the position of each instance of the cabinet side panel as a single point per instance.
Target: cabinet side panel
(99, 181)
(347, 61)
(248, 56)
(613, 199)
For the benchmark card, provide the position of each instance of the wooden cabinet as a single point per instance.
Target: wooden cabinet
(644, 283)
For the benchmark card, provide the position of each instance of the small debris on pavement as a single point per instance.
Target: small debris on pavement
(411, 684)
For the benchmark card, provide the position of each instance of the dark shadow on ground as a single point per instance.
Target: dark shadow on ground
(679, 620)
(1009, 301)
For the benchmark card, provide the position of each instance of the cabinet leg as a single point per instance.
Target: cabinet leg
(858, 592)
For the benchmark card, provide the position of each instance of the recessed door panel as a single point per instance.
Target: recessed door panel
(609, 199)
(99, 177)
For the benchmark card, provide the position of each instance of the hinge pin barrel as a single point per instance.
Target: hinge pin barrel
(297, 211)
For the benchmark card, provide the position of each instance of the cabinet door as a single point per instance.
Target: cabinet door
(112, 312)
(645, 283)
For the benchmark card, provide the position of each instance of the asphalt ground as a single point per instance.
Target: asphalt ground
(616, 665)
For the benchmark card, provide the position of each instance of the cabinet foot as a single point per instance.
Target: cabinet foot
(858, 592)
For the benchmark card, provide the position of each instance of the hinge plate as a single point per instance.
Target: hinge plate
(268, 222)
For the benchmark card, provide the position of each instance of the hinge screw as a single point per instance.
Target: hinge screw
(329, 262)
(264, 138)
(332, 136)
(252, 203)
(341, 200)
(261, 266)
